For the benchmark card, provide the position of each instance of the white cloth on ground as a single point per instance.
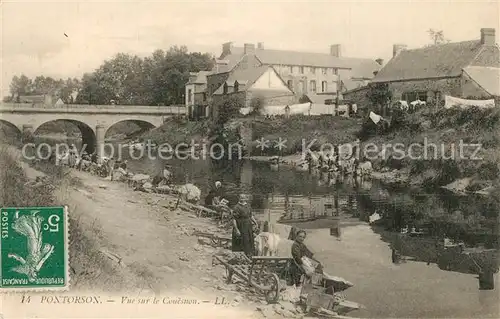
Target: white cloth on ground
(375, 117)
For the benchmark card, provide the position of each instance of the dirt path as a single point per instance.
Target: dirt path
(153, 242)
(132, 243)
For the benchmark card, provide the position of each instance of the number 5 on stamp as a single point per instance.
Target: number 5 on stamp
(34, 249)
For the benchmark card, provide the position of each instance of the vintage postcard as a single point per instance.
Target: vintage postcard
(249, 159)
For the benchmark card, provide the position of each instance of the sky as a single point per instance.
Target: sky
(33, 41)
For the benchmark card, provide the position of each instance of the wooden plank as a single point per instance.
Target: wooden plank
(270, 258)
(318, 299)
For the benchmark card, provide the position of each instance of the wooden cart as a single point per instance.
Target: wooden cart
(214, 240)
(258, 272)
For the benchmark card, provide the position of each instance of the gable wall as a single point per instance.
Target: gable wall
(270, 81)
(471, 89)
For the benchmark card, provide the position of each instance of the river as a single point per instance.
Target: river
(420, 282)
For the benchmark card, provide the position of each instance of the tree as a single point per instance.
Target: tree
(21, 85)
(379, 95)
(128, 79)
(228, 108)
(155, 80)
(437, 37)
(257, 103)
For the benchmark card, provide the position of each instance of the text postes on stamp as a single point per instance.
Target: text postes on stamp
(34, 249)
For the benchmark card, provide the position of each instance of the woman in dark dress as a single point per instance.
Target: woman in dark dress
(243, 221)
(299, 250)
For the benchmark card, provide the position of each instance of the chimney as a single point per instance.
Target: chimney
(397, 48)
(336, 50)
(488, 36)
(192, 76)
(260, 46)
(249, 48)
(226, 48)
(380, 61)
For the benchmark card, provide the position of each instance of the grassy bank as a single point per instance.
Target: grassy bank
(299, 129)
(178, 130)
(445, 162)
(89, 270)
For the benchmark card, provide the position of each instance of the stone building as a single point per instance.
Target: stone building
(308, 73)
(196, 93)
(320, 76)
(468, 69)
(247, 79)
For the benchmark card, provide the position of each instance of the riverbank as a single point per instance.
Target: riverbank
(133, 242)
(433, 157)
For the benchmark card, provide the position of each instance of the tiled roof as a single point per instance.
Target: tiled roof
(349, 84)
(285, 57)
(444, 60)
(362, 68)
(489, 56)
(201, 78)
(364, 87)
(249, 74)
(231, 61)
(486, 77)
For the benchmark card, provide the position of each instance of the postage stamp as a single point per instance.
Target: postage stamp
(34, 249)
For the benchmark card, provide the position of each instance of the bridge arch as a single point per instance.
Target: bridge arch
(10, 132)
(125, 125)
(88, 134)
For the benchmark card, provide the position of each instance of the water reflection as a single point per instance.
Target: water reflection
(427, 218)
(409, 232)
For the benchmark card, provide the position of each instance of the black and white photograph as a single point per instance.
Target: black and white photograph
(249, 159)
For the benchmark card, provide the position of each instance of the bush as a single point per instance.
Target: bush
(257, 103)
(15, 189)
(488, 171)
(229, 108)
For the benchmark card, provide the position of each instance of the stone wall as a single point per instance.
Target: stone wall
(275, 99)
(446, 86)
(358, 97)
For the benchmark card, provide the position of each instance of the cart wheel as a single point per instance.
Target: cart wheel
(273, 292)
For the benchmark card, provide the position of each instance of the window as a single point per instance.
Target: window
(289, 83)
(313, 70)
(335, 71)
(225, 88)
(312, 84)
(189, 95)
(301, 70)
(303, 87)
(324, 86)
(204, 96)
(413, 96)
(236, 86)
(291, 68)
(325, 70)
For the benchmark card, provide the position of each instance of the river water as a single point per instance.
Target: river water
(423, 282)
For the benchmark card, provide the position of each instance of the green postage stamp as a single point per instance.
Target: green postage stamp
(34, 249)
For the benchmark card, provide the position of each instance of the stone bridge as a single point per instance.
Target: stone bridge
(92, 120)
